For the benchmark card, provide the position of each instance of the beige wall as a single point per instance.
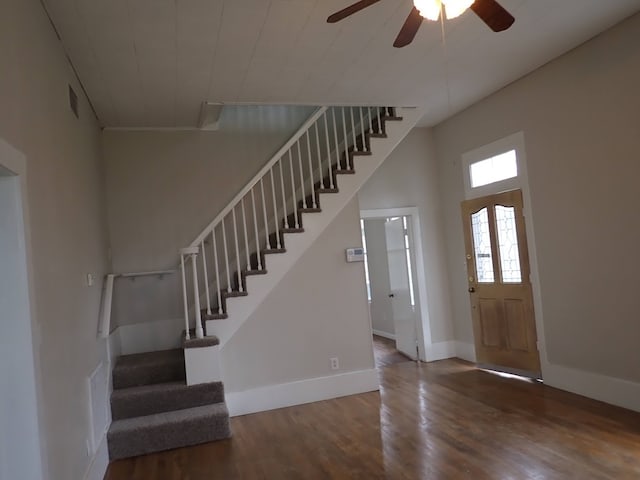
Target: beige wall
(579, 115)
(66, 235)
(163, 188)
(318, 311)
(408, 178)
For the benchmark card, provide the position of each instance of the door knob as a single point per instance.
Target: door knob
(391, 295)
(472, 289)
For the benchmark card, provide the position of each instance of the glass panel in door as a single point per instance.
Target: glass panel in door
(482, 246)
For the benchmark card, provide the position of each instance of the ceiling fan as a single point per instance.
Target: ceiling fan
(489, 11)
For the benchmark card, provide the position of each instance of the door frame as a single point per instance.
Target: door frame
(515, 142)
(424, 326)
(14, 162)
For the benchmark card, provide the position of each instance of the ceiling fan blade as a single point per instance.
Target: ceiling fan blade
(350, 10)
(409, 29)
(493, 14)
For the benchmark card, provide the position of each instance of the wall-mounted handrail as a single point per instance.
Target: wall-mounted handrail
(104, 322)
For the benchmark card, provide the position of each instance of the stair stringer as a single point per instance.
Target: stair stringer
(277, 265)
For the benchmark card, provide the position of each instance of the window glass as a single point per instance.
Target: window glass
(494, 169)
(482, 246)
(508, 244)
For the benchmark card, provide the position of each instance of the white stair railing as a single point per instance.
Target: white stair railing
(234, 243)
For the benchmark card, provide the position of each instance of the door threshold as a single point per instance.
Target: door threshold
(511, 372)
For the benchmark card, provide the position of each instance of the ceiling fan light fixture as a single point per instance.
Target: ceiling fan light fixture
(429, 9)
(455, 8)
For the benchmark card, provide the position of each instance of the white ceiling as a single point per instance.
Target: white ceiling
(151, 63)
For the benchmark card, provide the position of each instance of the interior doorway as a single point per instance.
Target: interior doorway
(20, 455)
(393, 284)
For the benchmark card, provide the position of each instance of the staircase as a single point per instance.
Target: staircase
(174, 398)
(235, 262)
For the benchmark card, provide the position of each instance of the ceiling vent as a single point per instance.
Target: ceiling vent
(73, 101)
(210, 116)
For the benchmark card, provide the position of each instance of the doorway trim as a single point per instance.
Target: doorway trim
(14, 162)
(515, 142)
(424, 327)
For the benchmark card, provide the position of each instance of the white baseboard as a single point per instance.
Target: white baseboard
(616, 391)
(150, 336)
(303, 391)
(380, 333)
(99, 463)
(465, 351)
(440, 351)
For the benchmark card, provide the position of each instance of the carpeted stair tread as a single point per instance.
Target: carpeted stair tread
(163, 431)
(148, 368)
(163, 397)
(195, 342)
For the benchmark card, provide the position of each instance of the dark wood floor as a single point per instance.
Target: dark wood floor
(442, 420)
(386, 353)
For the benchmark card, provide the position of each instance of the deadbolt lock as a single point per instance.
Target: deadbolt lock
(468, 256)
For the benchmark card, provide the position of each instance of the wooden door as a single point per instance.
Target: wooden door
(499, 283)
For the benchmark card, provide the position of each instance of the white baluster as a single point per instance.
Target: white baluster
(215, 259)
(246, 237)
(370, 119)
(284, 199)
(184, 298)
(196, 296)
(326, 134)
(235, 238)
(296, 220)
(379, 120)
(255, 226)
(264, 212)
(226, 255)
(335, 137)
(346, 139)
(319, 157)
(353, 127)
(304, 196)
(206, 276)
(313, 185)
(275, 210)
(364, 143)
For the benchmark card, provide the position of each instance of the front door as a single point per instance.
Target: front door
(404, 310)
(498, 281)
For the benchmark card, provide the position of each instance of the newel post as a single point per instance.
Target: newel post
(191, 252)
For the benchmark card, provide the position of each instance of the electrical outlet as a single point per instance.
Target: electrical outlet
(335, 363)
(90, 279)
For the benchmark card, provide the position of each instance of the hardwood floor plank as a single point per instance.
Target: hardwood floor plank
(442, 420)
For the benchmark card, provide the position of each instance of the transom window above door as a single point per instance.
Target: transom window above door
(495, 168)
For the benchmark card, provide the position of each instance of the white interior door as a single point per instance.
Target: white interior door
(404, 313)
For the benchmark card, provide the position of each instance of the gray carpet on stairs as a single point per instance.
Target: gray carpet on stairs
(153, 433)
(153, 409)
(149, 368)
(163, 397)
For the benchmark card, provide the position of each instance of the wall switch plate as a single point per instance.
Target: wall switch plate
(335, 363)
(90, 280)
